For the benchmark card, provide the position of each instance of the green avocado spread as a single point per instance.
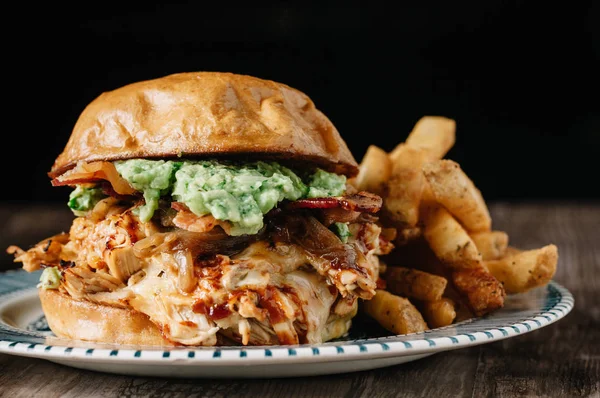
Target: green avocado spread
(154, 178)
(83, 199)
(240, 193)
(341, 230)
(50, 278)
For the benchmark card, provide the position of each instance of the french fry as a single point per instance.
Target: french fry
(511, 251)
(438, 313)
(417, 255)
(431, 138)
(388, 234)
(382, 267)
(407, 235)
(461, 305)
(435, 134)
(483, 292)
(492, 245)
(405, 187)
(412, 283)
(427, 197)
(394, 313)
(449, 240)
(447, 258)
(524, 270)
(456, 250)
(374, 171)
(428, 202)
(420, 254)
(454, 190)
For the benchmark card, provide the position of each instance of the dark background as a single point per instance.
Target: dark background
(520, 78)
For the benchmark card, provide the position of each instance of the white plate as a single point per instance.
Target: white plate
(23, 331)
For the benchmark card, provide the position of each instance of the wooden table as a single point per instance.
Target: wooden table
(562, 359)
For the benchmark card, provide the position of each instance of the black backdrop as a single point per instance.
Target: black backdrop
(520, 78)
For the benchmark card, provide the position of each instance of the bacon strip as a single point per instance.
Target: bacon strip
(179, 206)
(94, 172)
(108, 190)
(363, 202)
(185, 219)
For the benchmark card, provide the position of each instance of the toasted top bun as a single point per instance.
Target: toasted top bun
(206, 114)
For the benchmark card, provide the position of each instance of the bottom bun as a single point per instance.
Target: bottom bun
(84, 320)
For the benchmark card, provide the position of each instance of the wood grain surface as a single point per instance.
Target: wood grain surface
(560, 360)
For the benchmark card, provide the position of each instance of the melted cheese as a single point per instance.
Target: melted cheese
(157, 296)
(316, 298)
(301, 296)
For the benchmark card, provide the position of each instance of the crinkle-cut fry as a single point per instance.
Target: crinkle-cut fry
(438, 313)
(374, 171)
(521, 271)
(394, 313)
(412, 283)
(435, 134)
(405, 187)
(449, 240)
(491, 244)
(454, 190)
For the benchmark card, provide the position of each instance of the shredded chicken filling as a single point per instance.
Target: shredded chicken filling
(295, 282)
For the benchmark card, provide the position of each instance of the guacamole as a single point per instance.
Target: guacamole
(83, 199)
(154, 178)
(50, 278)
(341, 230)
(323, 184)
(240, 193)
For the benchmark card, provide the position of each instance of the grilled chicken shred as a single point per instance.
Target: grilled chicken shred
(294, 282)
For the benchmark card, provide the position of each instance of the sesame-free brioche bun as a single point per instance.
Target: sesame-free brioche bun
(206, 114)
(85, 320)
(74, 319)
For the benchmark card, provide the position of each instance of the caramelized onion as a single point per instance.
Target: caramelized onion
(319, 241)
(95, 172)
(215, 241)
(186, 281)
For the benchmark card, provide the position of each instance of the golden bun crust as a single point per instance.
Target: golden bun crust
(84, 320)
(206, 114)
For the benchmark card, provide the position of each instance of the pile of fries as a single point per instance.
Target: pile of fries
(448, 263)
